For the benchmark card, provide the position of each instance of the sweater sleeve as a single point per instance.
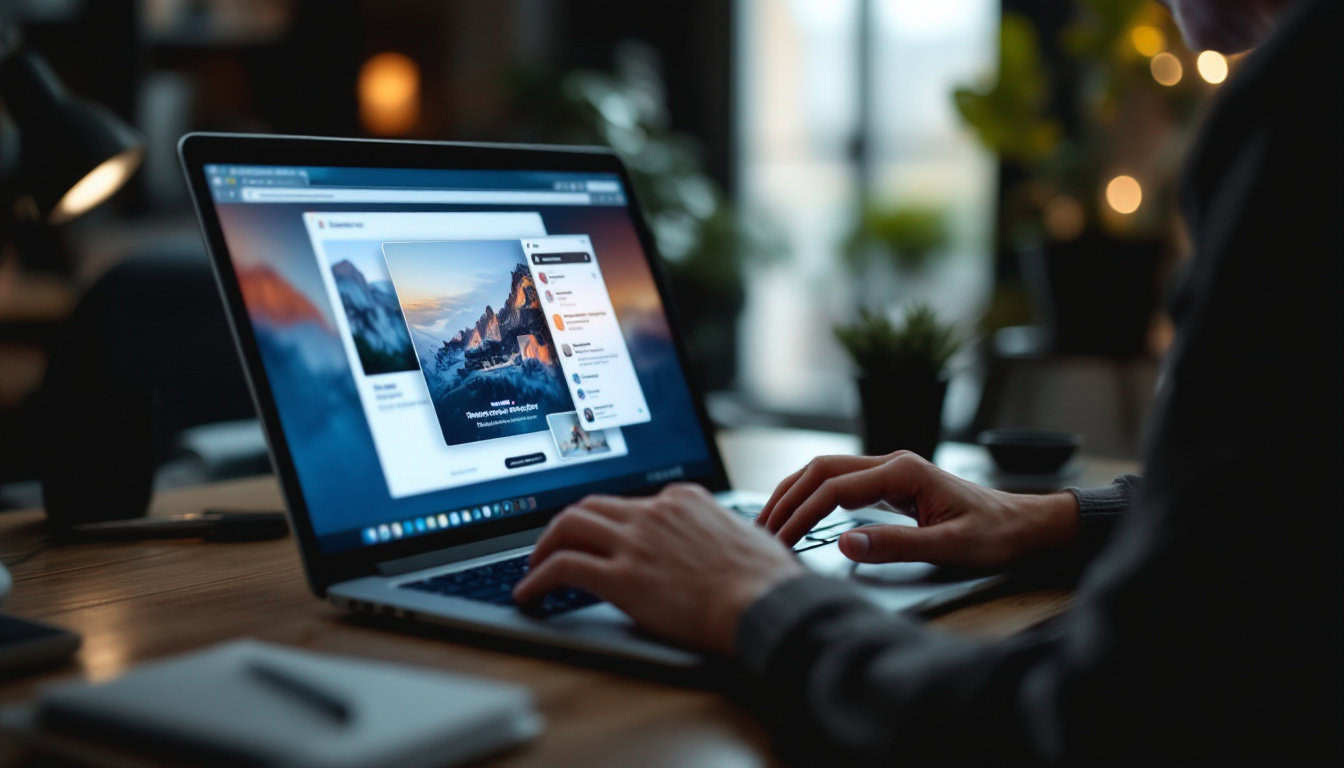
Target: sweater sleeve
(1100, 509)
(842, 682)
(825, 709)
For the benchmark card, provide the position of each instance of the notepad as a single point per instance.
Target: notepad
(304, 709)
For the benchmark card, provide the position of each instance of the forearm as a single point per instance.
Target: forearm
(842, 682)
(1068, 526)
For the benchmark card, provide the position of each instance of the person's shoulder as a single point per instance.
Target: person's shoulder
(1283, 106)
(1300, 61)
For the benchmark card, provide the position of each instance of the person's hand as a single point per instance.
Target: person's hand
(960, 523)
(678, 563)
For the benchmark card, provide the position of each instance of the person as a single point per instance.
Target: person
(579, 439)
(1206, 629)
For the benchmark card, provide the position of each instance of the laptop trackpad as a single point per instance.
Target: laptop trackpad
(898, 586)
(830, 561)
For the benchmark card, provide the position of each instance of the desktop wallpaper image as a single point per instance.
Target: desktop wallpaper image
(320, 411)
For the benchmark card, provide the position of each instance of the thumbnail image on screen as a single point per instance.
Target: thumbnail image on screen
(371, 308)
(573, 440)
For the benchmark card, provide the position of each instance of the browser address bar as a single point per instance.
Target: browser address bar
(355, 195)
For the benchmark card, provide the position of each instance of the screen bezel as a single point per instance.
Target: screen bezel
(196, 150)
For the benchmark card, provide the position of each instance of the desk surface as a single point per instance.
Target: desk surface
(134, 602)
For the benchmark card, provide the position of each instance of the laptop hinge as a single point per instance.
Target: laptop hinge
(459, 553)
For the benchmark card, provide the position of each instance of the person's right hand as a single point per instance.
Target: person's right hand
(960, 523)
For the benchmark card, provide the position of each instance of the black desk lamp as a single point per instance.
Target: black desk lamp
(72, 153)
(60, 154)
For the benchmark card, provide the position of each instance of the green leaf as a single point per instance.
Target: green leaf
(907, 234)
(1010, 117)
(921, 343)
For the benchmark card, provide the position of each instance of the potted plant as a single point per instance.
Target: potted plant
(889, 243)
(903, 235)
(901, 377)
(1090, 162)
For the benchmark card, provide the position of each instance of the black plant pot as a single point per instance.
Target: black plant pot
(1094, 295)
(901, 411)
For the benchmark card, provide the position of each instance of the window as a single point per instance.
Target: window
(842, 102)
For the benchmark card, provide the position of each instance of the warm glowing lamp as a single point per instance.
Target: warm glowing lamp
(1124, 194)
(389, 94)
(75, 153)
(1212, 66)
(1166, 69)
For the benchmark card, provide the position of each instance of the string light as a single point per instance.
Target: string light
(1124, 194)
(1147, 40)
(1166, 69)
(1212, 66)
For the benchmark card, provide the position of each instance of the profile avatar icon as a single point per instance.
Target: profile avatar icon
(576, 378)
(559, 321)
(550, 297)
(567, 350)
(588, 415)
(542, 275)
(580, 393)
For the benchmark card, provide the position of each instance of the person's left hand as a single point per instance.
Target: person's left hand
(678, 563)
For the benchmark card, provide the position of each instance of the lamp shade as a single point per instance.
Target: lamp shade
(76, 153)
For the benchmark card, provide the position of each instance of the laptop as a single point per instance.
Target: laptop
(447, 344)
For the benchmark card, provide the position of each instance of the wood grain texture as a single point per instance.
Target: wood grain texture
(135, 602)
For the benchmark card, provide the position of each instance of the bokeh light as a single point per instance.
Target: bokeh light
(1166, 69)
(1212, 66)
(389, 94)
(1147, 40)
(1124, 194)
(1064, 218)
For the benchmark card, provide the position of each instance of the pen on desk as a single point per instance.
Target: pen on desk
(330, 705)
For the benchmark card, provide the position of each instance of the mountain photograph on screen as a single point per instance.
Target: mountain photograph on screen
(490, 372)
(371, 308)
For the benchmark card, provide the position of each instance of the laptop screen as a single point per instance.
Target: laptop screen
(449, 348)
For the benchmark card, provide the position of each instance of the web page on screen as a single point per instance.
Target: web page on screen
(448, 347)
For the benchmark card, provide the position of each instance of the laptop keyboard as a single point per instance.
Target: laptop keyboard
(820, 536)
(493, 583)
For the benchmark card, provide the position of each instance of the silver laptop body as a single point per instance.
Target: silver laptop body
(383, 408)
(602, 628)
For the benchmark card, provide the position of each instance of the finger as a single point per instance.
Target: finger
(938, 544)
(780, 490)
(619, 508)
(566, 569)
(818, 471)
(894, 479)
(687, 491)
(577, 529)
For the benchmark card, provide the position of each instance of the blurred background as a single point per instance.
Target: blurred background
(1010, 165)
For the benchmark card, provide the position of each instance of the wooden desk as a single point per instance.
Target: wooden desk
(134, 602)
